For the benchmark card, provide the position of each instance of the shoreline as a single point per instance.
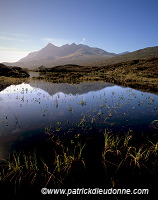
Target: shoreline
(137, 74)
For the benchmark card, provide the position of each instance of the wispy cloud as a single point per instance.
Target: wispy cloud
(13, 34)
(83, 40)
(7, 49)
(11, 39)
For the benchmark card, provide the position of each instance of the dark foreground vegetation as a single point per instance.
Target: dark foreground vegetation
(110, 161)
(16, 72)
(11, 75)
(138, 73)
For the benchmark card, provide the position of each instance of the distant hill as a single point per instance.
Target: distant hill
(52, 55)
(124, 53)
(148, 52)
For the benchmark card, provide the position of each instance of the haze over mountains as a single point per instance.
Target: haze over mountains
(80, 54)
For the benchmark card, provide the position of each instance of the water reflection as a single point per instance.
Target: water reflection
(74, 89)
(27, 109)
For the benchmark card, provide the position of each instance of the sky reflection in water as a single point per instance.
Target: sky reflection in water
(29, 108)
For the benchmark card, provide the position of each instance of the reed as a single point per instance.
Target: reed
(67, 156)
(121, 156)
(20, 168)
(121, 153)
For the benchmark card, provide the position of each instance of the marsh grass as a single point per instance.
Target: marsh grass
(66, 159)
(7, 81)
(19, 166)
(120, 158)
(30, 169)
(20, 169)
(66, 155)
(137, 73)
(121, 154)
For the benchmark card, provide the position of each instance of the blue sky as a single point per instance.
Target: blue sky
(113, 25)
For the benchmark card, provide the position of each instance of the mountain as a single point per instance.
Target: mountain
(80, 54)
(52, 55)
(51, 52)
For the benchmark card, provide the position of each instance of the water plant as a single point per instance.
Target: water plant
(82, 122)
(19, 168)
(82, 102)
(28, 168)
(70, 109)
(64, 160)
(122, 154)
(121, 157)
(56, 103)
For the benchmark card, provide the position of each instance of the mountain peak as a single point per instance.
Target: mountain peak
(73, 44)
(54, 55)
(50, 45)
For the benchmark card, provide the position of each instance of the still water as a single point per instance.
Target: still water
(28, 110)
